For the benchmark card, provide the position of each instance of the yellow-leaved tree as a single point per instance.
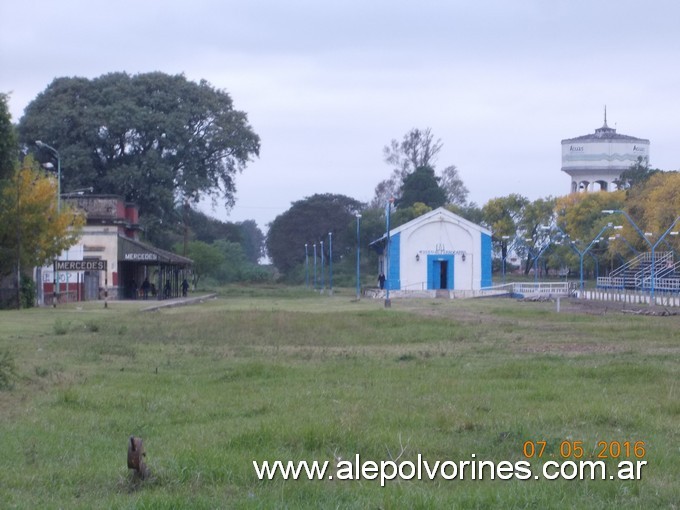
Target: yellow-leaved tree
(656, 202)
(33, 227)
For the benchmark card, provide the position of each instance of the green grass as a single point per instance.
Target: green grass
(267, 373)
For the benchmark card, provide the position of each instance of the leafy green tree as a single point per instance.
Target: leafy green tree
(402, 215)
(537, 217)
(470, 211)
(535, 223)
(207, 259)
(503, 216)
(197, 226)
(580, 214)
(421, 186)
(637, 174)
(8, 140)
(309, 221)
(152, 138)
(234, 265)
(252, 240)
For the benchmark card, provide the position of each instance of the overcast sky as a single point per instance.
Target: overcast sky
(327, 85)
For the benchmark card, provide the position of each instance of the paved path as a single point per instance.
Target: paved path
(180, 301)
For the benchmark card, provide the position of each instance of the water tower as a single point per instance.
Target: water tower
(596, 160)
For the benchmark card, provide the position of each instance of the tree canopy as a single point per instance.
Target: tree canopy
(309, 221)
(8, 143)
(153, 138)
(418, 149)
(654, 205)
(421, 186)
(580, 214)
(637, 174)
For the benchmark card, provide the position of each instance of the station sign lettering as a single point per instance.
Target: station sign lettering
(140, 256)
(80, 265)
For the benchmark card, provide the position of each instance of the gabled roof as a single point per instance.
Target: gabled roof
(440, 213)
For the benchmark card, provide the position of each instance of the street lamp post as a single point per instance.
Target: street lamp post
(323, 282)
(582, 253)
(314, 266)
(630, 220)
(388, 303)
(55, 152)
(330, 263)
(358, 248)
(306, 267)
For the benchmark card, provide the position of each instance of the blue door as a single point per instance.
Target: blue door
(440, 272)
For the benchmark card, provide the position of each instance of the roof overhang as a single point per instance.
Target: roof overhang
(130, 250)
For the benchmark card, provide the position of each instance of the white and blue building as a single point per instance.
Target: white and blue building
(434, 252)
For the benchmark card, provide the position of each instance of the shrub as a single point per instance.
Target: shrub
(27, 292)
(7, 370)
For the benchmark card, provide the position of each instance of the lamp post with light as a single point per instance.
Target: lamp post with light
(330, 263)
(535, 255)
(306, 267)
(323, 282)
(314, 266)
(388, 303)
(582, 253)
(55, 153)
(358, 216)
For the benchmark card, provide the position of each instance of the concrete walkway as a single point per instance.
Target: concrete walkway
(179, 301)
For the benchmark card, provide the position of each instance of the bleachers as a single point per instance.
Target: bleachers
(636, 274)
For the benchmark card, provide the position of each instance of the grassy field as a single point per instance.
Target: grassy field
(276, 373)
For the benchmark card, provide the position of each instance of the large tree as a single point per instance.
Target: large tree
(153, 138)
(417, 149)
(309, 221)
(422, 186)
(580, 214)
(251, 240)
(8, 142)
(503, 216)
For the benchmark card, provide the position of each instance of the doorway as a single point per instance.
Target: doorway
(443, 272)
(440, 272)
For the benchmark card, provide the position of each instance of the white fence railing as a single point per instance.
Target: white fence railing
(543, 289)
(633, 297)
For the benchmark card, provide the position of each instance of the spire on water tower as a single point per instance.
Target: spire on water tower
(605, 116)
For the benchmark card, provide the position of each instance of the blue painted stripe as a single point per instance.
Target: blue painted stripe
(394, 277)
(486, 261)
